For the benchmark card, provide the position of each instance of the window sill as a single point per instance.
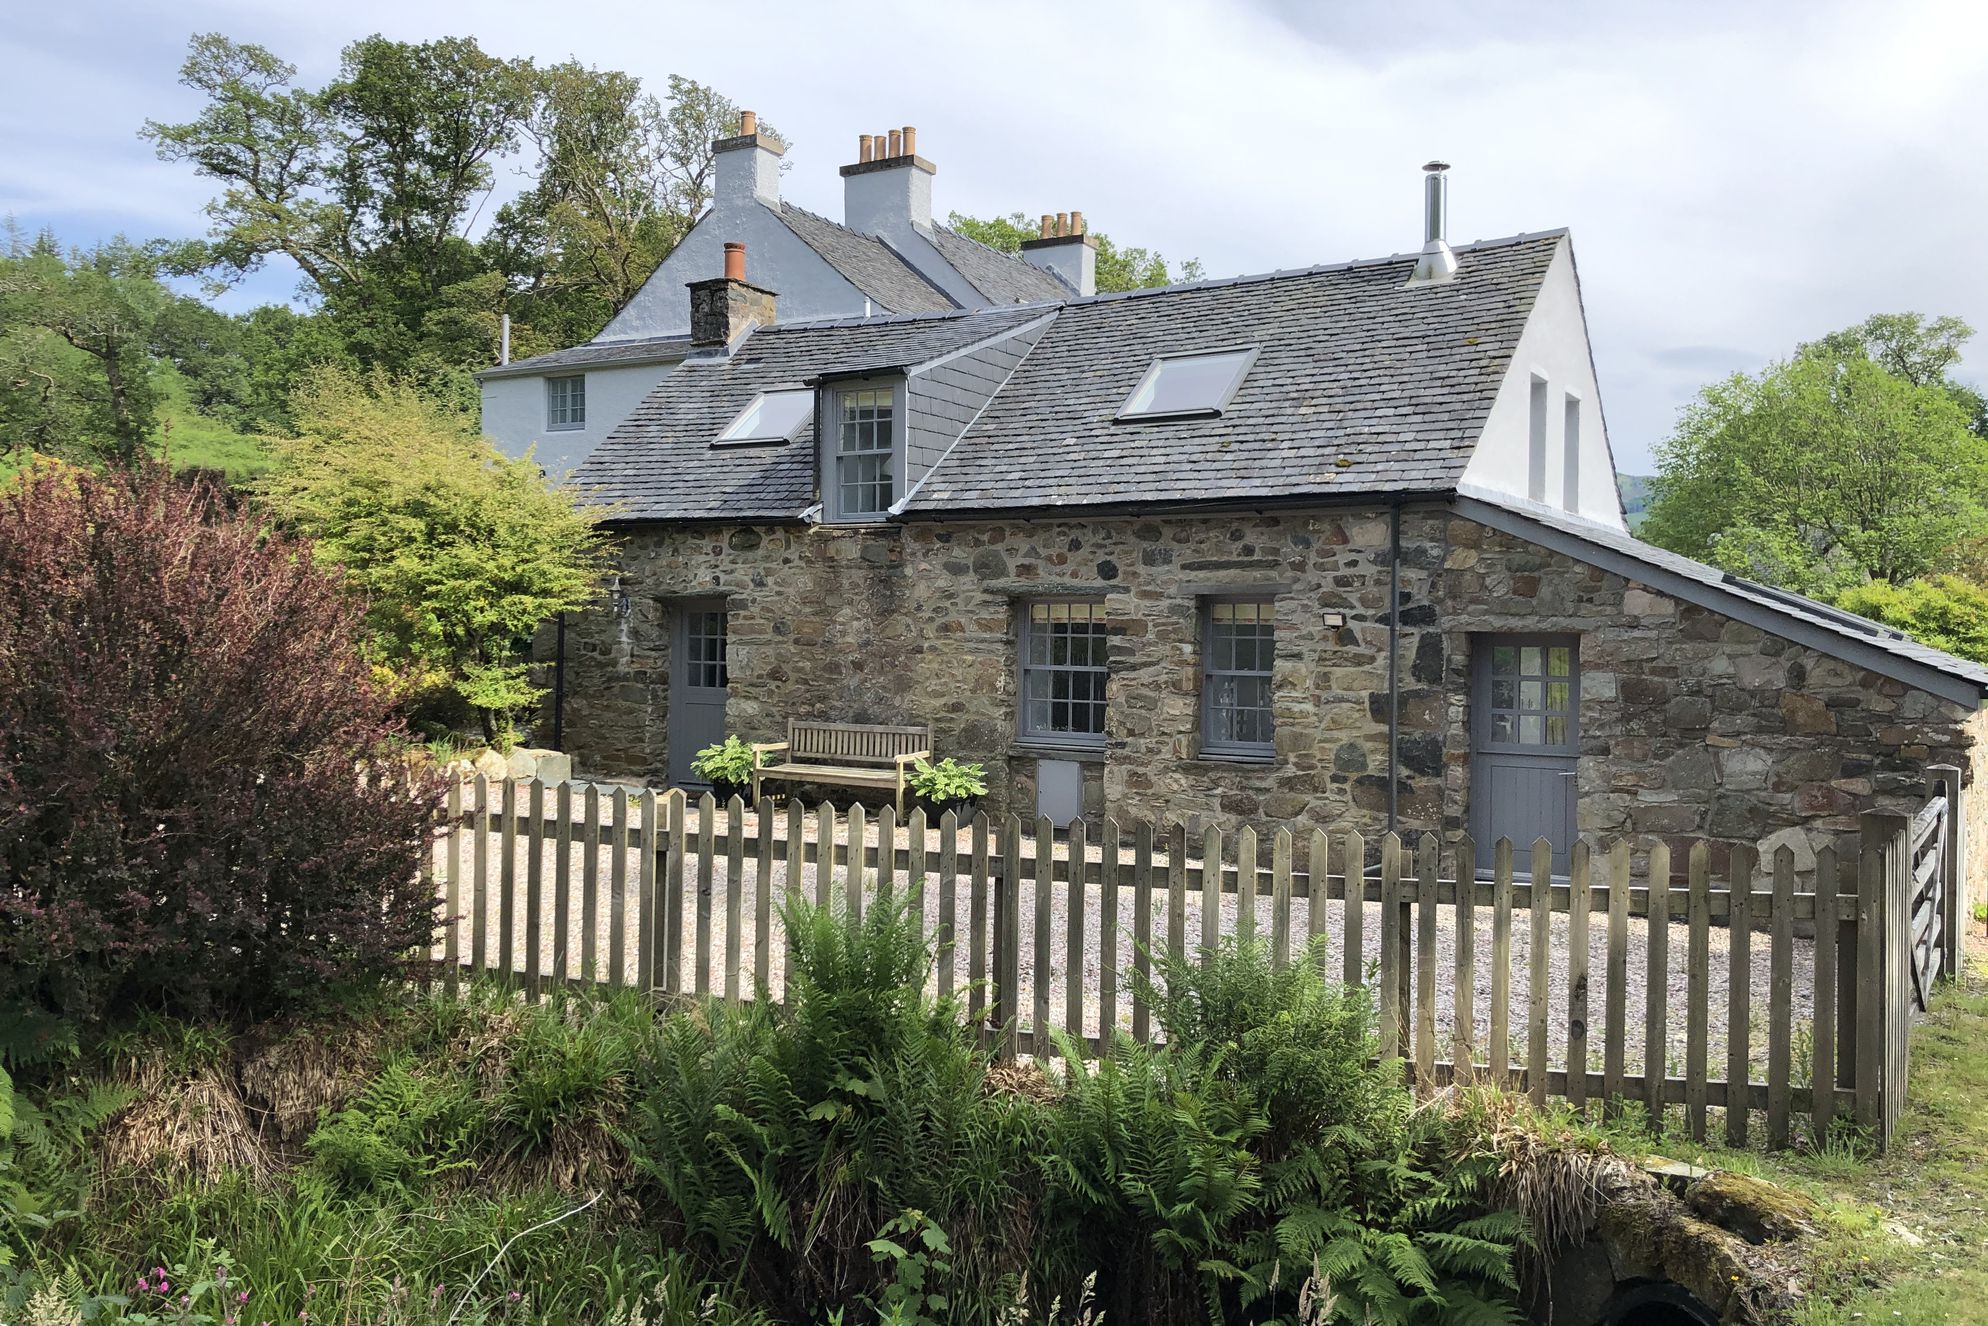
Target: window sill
(1039, 750)
(565, 428)
(1262, 761)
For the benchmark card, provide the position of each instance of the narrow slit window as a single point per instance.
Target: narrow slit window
(1570, 453)
(773, 416)
(1536, 441)
(1187, 385)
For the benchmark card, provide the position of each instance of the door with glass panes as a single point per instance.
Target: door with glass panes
(699, 683)
(1525, 742)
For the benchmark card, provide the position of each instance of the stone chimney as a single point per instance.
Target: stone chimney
(724, 307)
(1064, 250)
(747, 167)
(887, 192)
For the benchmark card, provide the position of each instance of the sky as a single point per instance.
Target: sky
(1737, 177)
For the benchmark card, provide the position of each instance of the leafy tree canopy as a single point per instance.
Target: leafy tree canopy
(1118, 268)
(1829, 469)
(374, 185)
(75, 337)
(460, 551)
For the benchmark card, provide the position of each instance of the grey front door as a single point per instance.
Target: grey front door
(1525, 740)
(699, 682)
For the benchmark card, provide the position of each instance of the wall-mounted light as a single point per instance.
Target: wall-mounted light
(622, 604)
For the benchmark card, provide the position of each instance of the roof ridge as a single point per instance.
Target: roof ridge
(1316, 269)
(887, 319)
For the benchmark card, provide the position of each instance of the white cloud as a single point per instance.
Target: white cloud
(1738, 178)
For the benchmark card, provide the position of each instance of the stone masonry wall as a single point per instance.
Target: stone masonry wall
(1691, 723)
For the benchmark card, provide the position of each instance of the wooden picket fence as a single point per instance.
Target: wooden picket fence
(1478, 973)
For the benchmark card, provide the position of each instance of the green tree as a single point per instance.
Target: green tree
(1820, 473)
(621, 177)
(1946, 611)
(460, 551)
(75, 360)
(1923, 351)
(1117, 268)
(374, 186)
(369, 184)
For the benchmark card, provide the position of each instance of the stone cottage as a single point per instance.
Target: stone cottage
(1339, 545)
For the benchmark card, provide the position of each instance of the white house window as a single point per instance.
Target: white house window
(1239, 645)
(1186, 385)
(566, 402)
(772, 416)
(1063, 672)
(865, 452)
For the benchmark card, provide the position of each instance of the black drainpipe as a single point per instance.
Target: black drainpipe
(1393, 659)
(559, 688)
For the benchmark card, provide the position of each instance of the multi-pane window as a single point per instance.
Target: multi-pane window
(864, 450)
(566, 402)
(1238, 646)
(704, 650)
(1531, 700)
(1063, 671)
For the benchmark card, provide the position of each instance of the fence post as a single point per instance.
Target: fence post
(1944, 780)
(1882, 840)
(1006, 967)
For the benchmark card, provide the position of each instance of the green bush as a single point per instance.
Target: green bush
(728, 764)
(947, 781)
(1207, 1178)
(786, 1140)
(1947, 612)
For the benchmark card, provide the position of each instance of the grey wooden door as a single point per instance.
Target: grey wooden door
(1525, 741)
(699, 683)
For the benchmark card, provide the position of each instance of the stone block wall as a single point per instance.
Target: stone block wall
(1691, 724)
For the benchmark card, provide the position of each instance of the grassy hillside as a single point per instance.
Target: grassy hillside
(191, 440)
(1635, 489)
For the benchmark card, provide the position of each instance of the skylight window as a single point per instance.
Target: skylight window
(773, 416)
(1185, 385)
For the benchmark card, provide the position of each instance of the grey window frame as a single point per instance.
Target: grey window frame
(1486, 711)
(1227, 748)
(830, 453)
(553, 424)
(1248, 352)
(767, 439)
(1025, 732)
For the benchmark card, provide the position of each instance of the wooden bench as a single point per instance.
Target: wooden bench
(845, 754)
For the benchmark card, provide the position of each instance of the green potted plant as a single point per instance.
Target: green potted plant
(728, 767)
(948, 784)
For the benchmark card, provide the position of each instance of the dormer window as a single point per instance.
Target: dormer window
(773, 416)
(1188, 386)
(862, 454)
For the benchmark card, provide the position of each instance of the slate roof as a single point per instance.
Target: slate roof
(1709, 584)
(868, 263)
(596, 354)
(1360, 385)
(1001, 278)
(659, 464)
